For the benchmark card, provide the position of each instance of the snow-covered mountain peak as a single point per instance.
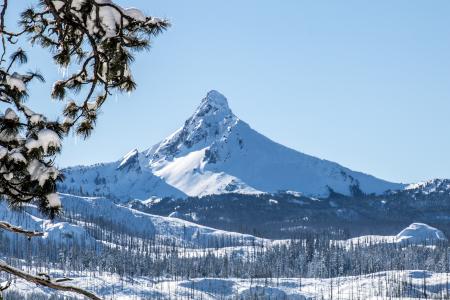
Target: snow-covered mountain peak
(211, 121)
(215, 99)
(213, 108)
(215, 152)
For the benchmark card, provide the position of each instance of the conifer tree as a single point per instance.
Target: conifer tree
(97, 38)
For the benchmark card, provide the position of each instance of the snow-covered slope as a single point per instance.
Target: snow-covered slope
(417, 233)
(148, 225)
(123, 180)
(83, 210)
(441, 186)
(133, 222)
(216, 152)
(57, 232)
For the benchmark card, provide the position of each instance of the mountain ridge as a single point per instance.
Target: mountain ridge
(216, 152)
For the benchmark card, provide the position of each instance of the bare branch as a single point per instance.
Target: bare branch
(19, 230)
(47, 282)
(5, 285)
(2, 28)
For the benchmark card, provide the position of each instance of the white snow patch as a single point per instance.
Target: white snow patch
(420, 233)
(53, 200)
(15, 82)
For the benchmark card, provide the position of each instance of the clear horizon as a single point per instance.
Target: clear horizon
(366, 84)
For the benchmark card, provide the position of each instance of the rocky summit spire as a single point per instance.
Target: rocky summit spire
(211, 121)
(213, 104)
(216, 99)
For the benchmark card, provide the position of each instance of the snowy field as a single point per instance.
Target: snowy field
(384, 285)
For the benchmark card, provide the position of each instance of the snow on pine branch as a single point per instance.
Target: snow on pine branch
(106, 17)
(100, 36)
(95, 37)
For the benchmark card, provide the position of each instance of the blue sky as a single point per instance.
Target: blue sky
(362, 83)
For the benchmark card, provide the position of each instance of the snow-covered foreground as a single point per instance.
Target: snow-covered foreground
(383, 285)
(180, 243)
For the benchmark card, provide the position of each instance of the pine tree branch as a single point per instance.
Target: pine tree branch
(19, 230)
(2, 28)
(45, 281)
